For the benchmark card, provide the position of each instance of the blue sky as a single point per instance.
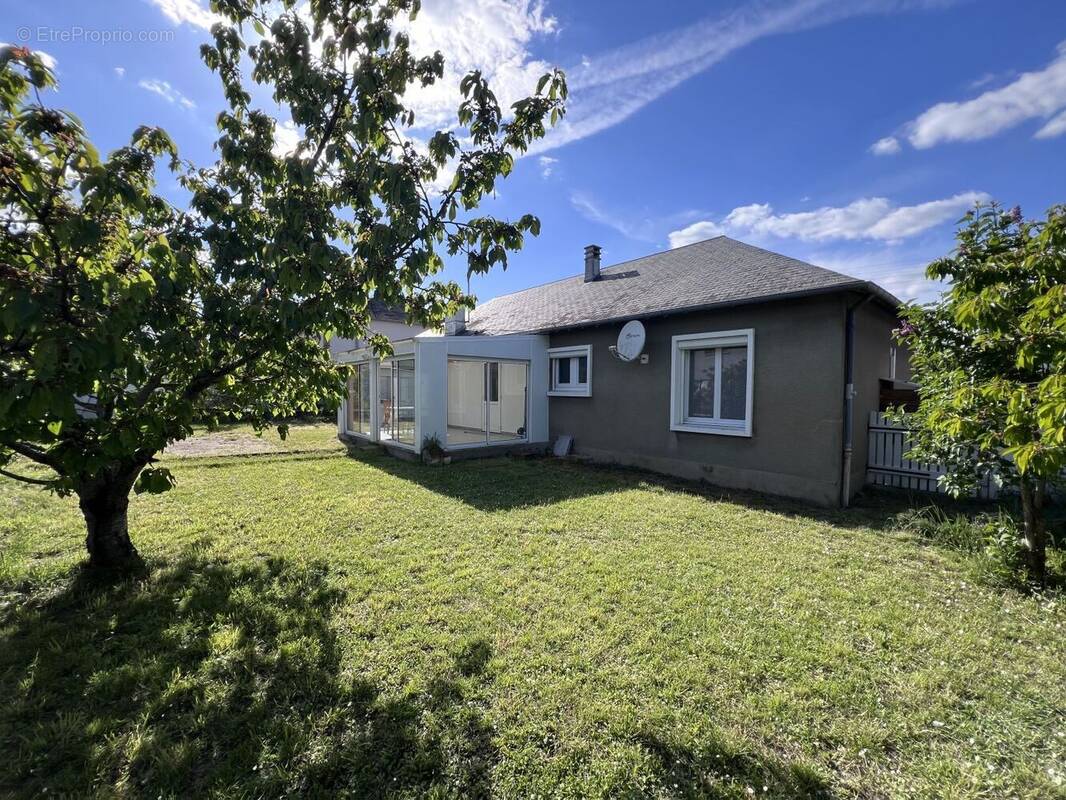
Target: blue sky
(848, 133)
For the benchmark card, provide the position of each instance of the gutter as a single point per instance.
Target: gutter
(849, 397)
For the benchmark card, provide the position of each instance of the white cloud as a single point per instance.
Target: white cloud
(189, 12)
(493, 36)
(166, 91)
(1033, 95)
(872, 218)
(547, 165)
(1056, 126)
(696, 232)
(286, 137)
(888, 146)
(120, 72)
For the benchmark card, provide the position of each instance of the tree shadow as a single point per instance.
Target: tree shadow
(717, 771)
(505, 484)
(498, 483)
(206, 678)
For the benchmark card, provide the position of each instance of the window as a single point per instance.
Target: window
(570, 370)
(492, 388)
(712, 376)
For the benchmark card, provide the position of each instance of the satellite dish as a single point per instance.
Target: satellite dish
(630, 341)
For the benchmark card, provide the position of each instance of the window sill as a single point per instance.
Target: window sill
(719, 430)
(576, 393)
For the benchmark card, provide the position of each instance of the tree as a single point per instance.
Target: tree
(989, 359)
(120, 311)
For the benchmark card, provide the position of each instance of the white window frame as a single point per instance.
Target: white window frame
(572, 389)
(679, 347)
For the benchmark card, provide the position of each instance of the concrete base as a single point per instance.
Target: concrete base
(455, 454)
(495, 450)
(775, 483)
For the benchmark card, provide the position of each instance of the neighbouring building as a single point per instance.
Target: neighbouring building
(757, 371)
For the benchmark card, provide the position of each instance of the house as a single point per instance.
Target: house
(757, 371)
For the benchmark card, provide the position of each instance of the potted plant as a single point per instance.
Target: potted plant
(433, 452)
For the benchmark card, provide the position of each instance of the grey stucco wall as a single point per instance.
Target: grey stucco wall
(796, 442)
(873, 342)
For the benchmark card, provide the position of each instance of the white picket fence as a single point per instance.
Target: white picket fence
(887, 463)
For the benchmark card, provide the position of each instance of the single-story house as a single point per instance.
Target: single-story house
(754, 371)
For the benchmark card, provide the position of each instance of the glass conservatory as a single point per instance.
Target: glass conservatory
(466, 391)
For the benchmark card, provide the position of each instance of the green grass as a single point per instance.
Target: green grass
(315, 624)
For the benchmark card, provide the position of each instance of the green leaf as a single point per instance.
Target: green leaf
(154, 480)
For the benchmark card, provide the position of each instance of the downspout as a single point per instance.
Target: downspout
(849, 397)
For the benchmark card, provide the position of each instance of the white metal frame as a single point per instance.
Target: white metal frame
(555, 354)
(485, 361)
(679, 347)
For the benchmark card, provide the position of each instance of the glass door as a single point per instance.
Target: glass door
(359, 400)
(396, 401)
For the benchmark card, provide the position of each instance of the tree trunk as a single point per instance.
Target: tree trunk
(1035, 532)
(104, 503)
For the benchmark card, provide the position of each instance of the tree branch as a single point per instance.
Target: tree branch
(32, 453)
(24, 479)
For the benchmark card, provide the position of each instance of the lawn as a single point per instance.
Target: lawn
(322, 624)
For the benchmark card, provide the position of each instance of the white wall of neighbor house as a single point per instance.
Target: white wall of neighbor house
(395, 331)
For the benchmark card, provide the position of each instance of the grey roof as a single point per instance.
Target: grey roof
(380, 310)
(715, 272)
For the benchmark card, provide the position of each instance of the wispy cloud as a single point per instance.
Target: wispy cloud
(120, 72)
(547, 165)
(609, 87)
(591, 210)
(888, 146)
(869, 218)
(1032, 95)
(902, 274)
(643, 225)
(497, 37)
(166, 91)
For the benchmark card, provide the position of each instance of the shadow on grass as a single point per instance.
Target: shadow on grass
(496, 484)
(715, 771)
(504, 484)
(208, 678)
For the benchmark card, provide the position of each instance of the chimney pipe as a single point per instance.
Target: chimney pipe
(592, 263)
(456, 323)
